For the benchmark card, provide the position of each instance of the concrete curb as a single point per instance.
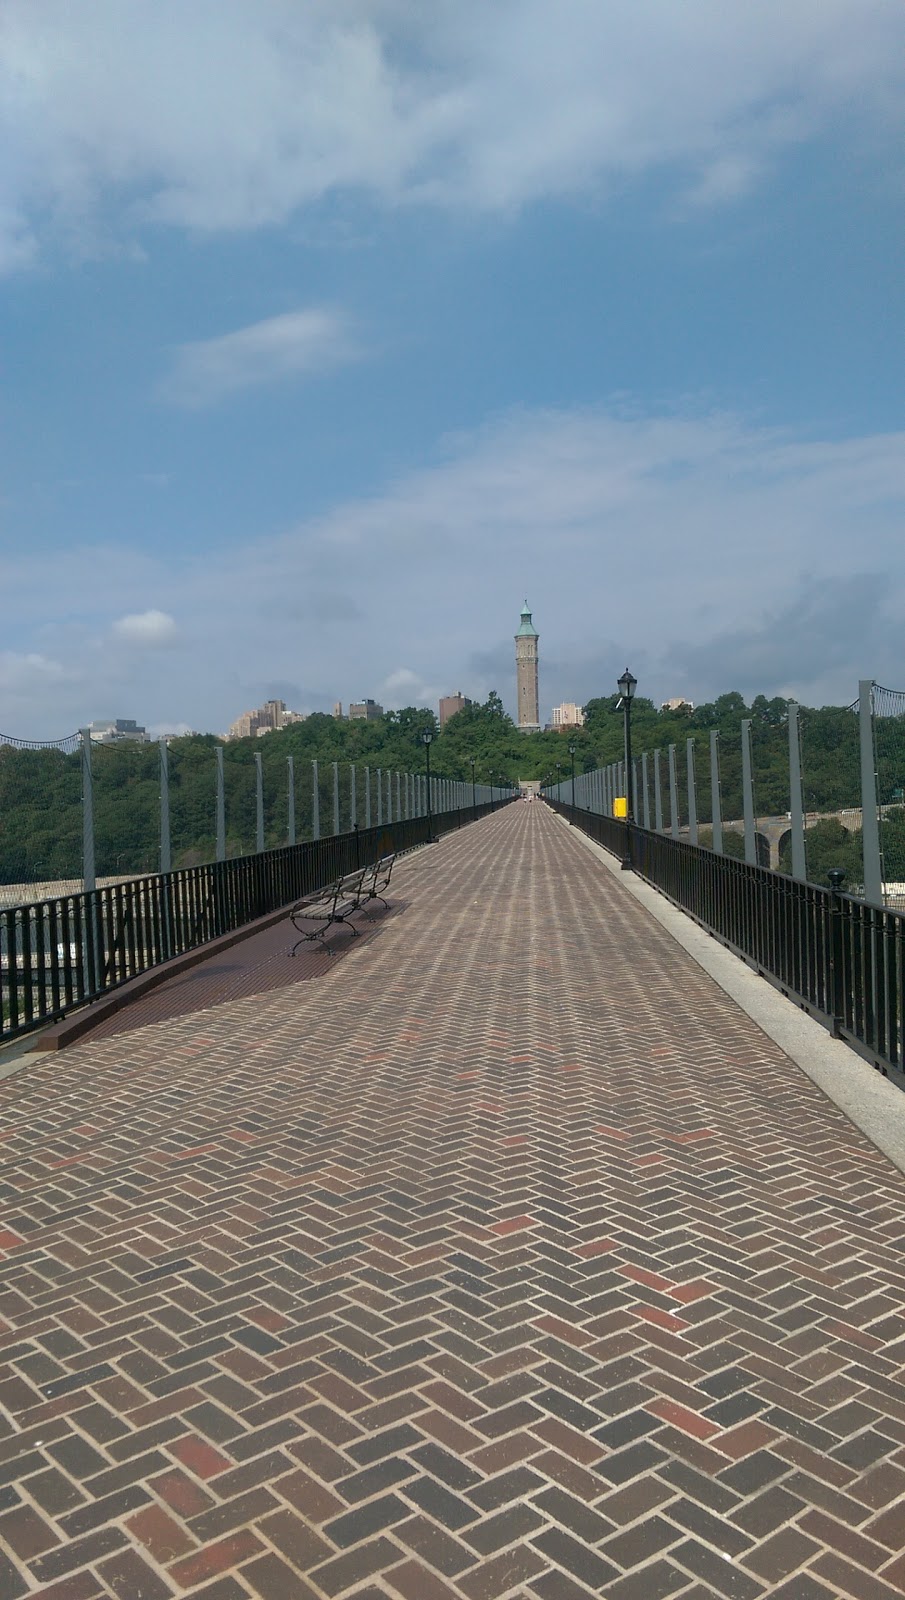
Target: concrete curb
(874, 1104)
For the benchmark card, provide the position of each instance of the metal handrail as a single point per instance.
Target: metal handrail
(840, 958)
(61, 953)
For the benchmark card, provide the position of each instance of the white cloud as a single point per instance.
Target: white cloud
(403, 687)
(20, 671)
(232, 114)
(706, 551)
(298, 342)
(146, 628)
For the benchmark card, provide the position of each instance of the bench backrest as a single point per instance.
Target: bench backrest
(383, 871)
(348, 887)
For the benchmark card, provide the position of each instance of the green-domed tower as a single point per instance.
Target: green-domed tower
(526, 673)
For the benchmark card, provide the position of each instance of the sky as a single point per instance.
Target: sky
(332, 330)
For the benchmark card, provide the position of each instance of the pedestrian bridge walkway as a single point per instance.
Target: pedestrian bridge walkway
(503, 1259)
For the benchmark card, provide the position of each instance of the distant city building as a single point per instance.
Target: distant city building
(451, 704)
(677, 705)
(526, 673)
(272, 714)
(365, 711)
(120, 731)
(337, 708)
(568, 716)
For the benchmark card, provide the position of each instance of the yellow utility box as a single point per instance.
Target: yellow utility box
(620, 806)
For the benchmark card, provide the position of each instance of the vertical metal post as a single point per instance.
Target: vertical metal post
(796, 808)
(367, 797)
(290, 800)
(315, 802)
(398, 795)
(89, 878)
(870, 821)
(353, 798)
(220, 807)
(259, 801)
(658, 794)
(748, 795)
(379, 798)
(673, 794)
(692, 793)
(645, 792)
(166, 859)
(716, 799)
(335, 798)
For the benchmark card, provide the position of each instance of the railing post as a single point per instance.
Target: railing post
(379, 797)
(692, 793)
(315, 803)
(220, 808)
(259, 802)
(165, 853)
(166, 861)
(870, 822)
(353, 799)
(290, 800)
(748, 795)
(796, 810)
(91, 947)
(673, 793)
(335, 798)
(367, 797)
(716, 802)
(837, 951)
(645, 792)
(89, 878)
(658, 794)
(398, 796)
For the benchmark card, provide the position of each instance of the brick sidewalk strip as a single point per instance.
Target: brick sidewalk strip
(505, 1260)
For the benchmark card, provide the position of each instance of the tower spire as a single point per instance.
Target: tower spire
(526, 661)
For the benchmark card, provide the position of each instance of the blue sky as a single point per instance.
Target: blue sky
(332, 331)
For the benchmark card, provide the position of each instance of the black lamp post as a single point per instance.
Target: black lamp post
(474, 796)
(627, 686)
(559, 781)
(572, 754)
(427, 740)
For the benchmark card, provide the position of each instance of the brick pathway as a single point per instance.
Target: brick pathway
(507, 1259)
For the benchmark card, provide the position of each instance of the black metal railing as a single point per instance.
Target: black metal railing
(62, 953)
(841, 959)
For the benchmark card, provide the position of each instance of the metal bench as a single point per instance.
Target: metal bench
(334, 903)
(377, 881)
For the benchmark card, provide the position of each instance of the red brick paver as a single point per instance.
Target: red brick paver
(507, 1260)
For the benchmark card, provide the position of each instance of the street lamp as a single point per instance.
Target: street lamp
(627, 686)
(559, 781)
(474, 796)
(427, 739)
(572, 754)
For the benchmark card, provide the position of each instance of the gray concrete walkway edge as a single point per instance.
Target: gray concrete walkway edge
(870, 1101)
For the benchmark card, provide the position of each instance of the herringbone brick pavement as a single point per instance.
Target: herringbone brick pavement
(506, 1259)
